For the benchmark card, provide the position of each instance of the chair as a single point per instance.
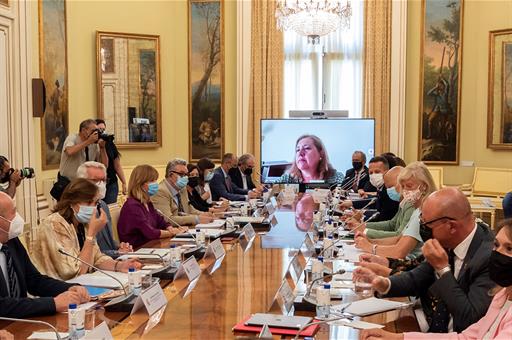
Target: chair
(438, 176)
(115, 211)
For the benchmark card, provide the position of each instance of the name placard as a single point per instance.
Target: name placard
(100, 332)
(249, 231)
(153, 299)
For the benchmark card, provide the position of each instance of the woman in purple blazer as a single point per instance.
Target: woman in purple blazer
(139, 222)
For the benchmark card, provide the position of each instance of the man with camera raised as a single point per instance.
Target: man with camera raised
(11, 178)
(79, 148)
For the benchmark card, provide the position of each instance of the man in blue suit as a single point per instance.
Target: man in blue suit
(222, 186)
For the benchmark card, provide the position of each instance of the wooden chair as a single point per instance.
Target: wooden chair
(115, 211)
(438, 176)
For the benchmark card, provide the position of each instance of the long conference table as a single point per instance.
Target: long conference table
(245, 283)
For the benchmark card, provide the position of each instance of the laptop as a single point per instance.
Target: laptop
(278, 321)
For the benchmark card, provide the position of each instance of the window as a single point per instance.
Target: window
(328, 75)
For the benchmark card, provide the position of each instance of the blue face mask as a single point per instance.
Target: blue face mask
(152, 188)
(208, 177)
(182, 182)
(393, 194)
(85, 213)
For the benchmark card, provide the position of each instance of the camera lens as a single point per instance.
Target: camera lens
(27, 172)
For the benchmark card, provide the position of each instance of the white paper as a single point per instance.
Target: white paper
(249, 231)
(208, 233)
(98, 279)
(47, 335)
(248, 219)
(100, 332)
(357, 324)
(216, 224)
(371, 306)
(87, 305)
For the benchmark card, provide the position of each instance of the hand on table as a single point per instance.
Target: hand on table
(379, 283)
(362, 242)
(374, 259)
(125, 247)
(176, 230)
(63, 300)
(4, 335)
(376, 333)
(123, 266)
(82, 293)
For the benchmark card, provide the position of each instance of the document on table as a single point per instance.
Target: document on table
(358, 324)
(370, 306)
(47, 335)
(98, 279)
(216, 224)
(248, 219)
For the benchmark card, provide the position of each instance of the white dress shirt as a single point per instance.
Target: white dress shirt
(244, 180)
(3, 266)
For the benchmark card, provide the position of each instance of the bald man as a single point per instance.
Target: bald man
(453, 282)
(18, 276)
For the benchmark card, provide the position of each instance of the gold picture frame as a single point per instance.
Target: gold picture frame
(499, 98)
(440, 81)
(4, 2)
(206, 74)
(128, 88)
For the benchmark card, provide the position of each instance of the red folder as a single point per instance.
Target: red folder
(242, 327)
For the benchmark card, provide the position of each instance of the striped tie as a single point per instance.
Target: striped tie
(14, 289)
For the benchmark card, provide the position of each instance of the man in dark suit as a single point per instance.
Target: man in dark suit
(357, 177)
(221, 184)
(453, 282)
(18, 276)
(241, 176)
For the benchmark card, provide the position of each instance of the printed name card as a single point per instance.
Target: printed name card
(308, 242)
(214, 256)
(101, 332)
(191, 268)
(286, 296)
(153, 299)
(270, 208)
(187, 276)
(249, 231)
(273, 221)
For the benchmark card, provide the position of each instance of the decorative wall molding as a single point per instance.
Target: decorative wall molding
(243, 61)
(398, 77)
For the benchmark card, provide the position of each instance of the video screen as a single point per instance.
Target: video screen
(312, 150)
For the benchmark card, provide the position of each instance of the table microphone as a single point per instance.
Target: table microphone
(143, 254)
(34, 322)
(317, 323)
(172, 221)
(63, 252)
(310, 286)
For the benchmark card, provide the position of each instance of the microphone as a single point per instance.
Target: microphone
(33, 322)
(172, 221)
(141, 254)
(317, 323)
(63, 252)
(310, 286)
(352, 180)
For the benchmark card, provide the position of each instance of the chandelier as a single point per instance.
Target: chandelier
(313, 18)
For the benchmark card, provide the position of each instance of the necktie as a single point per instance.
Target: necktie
(440, 317)
(180, 205)
(356, 181)
(87, 153)
(14, 289)
(228, 184)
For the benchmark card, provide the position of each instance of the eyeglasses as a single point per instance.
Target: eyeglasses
(425, 224)
(180, 173)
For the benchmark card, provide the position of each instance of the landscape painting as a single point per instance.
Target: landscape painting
(499, 117)
(206, 80)
(53, 71)
(440, 81)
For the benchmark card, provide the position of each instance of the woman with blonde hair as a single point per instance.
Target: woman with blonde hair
(73, 227)
(311, 163)
(139, 222)
(415, 183)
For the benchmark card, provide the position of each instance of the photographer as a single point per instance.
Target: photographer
(78, 149)
(114, 169)
(12, 176)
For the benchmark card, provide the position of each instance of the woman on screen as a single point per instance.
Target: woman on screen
(311, 163)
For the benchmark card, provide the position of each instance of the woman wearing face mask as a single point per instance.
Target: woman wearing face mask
(497, 323)
(193, 188)
(416, 183)
(73, 227)
(311, 163)
(139, 222)
(205, 169)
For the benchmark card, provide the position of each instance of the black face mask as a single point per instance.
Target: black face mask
(425, 232)
(500, 269)
(193, 181)
(248, 171)
(357, 165)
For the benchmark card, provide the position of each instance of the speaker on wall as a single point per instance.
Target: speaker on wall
(38, 97)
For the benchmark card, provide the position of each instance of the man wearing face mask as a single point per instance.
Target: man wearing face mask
(172, 196)
(96, 173)
(357, 177)
(18, 276)
(454, 281)
(242, 174)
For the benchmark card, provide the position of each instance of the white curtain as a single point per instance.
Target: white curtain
(333, 68)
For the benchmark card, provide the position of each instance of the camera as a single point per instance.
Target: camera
(24, 173)
(105, 136)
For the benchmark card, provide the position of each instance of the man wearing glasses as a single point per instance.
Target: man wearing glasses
(453, 281)
(172, 197)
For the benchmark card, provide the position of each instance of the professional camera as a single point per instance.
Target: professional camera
(105, 136)
(24, 173)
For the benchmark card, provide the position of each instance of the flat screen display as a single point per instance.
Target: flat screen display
(312, 150)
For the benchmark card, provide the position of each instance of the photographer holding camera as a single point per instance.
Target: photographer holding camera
(78, 149)
(114, 169)
(12, 177)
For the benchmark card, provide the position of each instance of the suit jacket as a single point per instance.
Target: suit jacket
(32, 282)
(219, 188)
(236, 178)
(466, 298)
(384, 205)
(363, 182)
(164, 201)
(105, 237)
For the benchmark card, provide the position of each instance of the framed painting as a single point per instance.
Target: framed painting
(53, 69)
(4, 2)
(206, 79)
(128, 76)
(440, 81)
(499, 100)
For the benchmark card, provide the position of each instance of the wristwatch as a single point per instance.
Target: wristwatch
(374, 249)
(91, 239)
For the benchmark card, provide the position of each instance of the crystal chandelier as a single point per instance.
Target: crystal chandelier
(313, 18)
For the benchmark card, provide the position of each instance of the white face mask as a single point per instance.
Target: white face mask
(377, 180)
(102, 189)
(412, 195)
(15, 227)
